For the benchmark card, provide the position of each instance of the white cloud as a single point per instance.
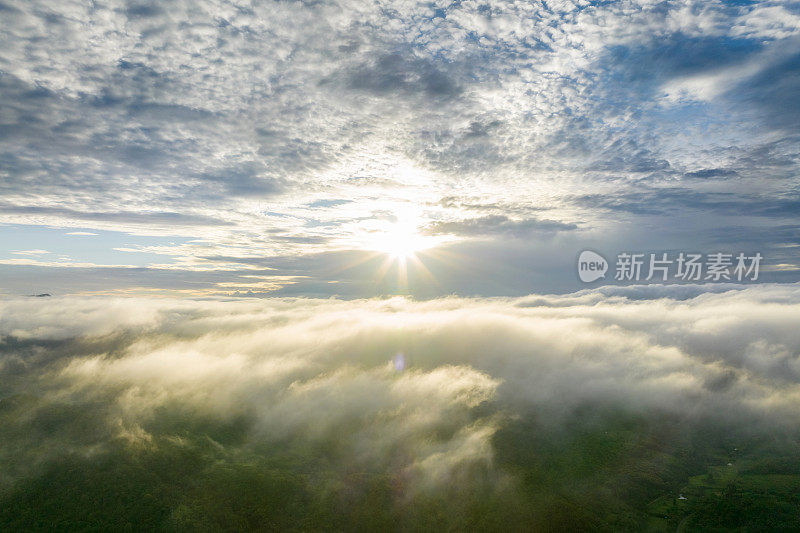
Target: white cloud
(320, 371)
(29, 252)
(307, 366)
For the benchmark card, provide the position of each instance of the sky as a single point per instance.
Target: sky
(358, 149)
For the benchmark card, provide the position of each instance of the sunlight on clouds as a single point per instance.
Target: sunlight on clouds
(463, 351)
(311, 384)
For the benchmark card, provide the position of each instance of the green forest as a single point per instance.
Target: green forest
(600, 469)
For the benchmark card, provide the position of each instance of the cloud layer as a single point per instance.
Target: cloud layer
(319, 378)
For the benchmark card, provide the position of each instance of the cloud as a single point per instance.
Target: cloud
(321, 362)
(663, 200)
(300, 385)
(30, 252)
(396, 73)
(497, 224)
(151, 218)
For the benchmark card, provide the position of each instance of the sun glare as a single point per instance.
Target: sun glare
(401, 242)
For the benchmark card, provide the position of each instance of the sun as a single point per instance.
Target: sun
(401, 247)
(402, 242)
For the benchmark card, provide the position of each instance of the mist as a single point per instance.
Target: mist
(307, 414)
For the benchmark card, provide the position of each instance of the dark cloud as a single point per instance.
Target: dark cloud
(246, 179)
(137, 10)
(497, 224)
(154, 218)
(638, 162)
(671, 200)
(403, 73)
(711, 173)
